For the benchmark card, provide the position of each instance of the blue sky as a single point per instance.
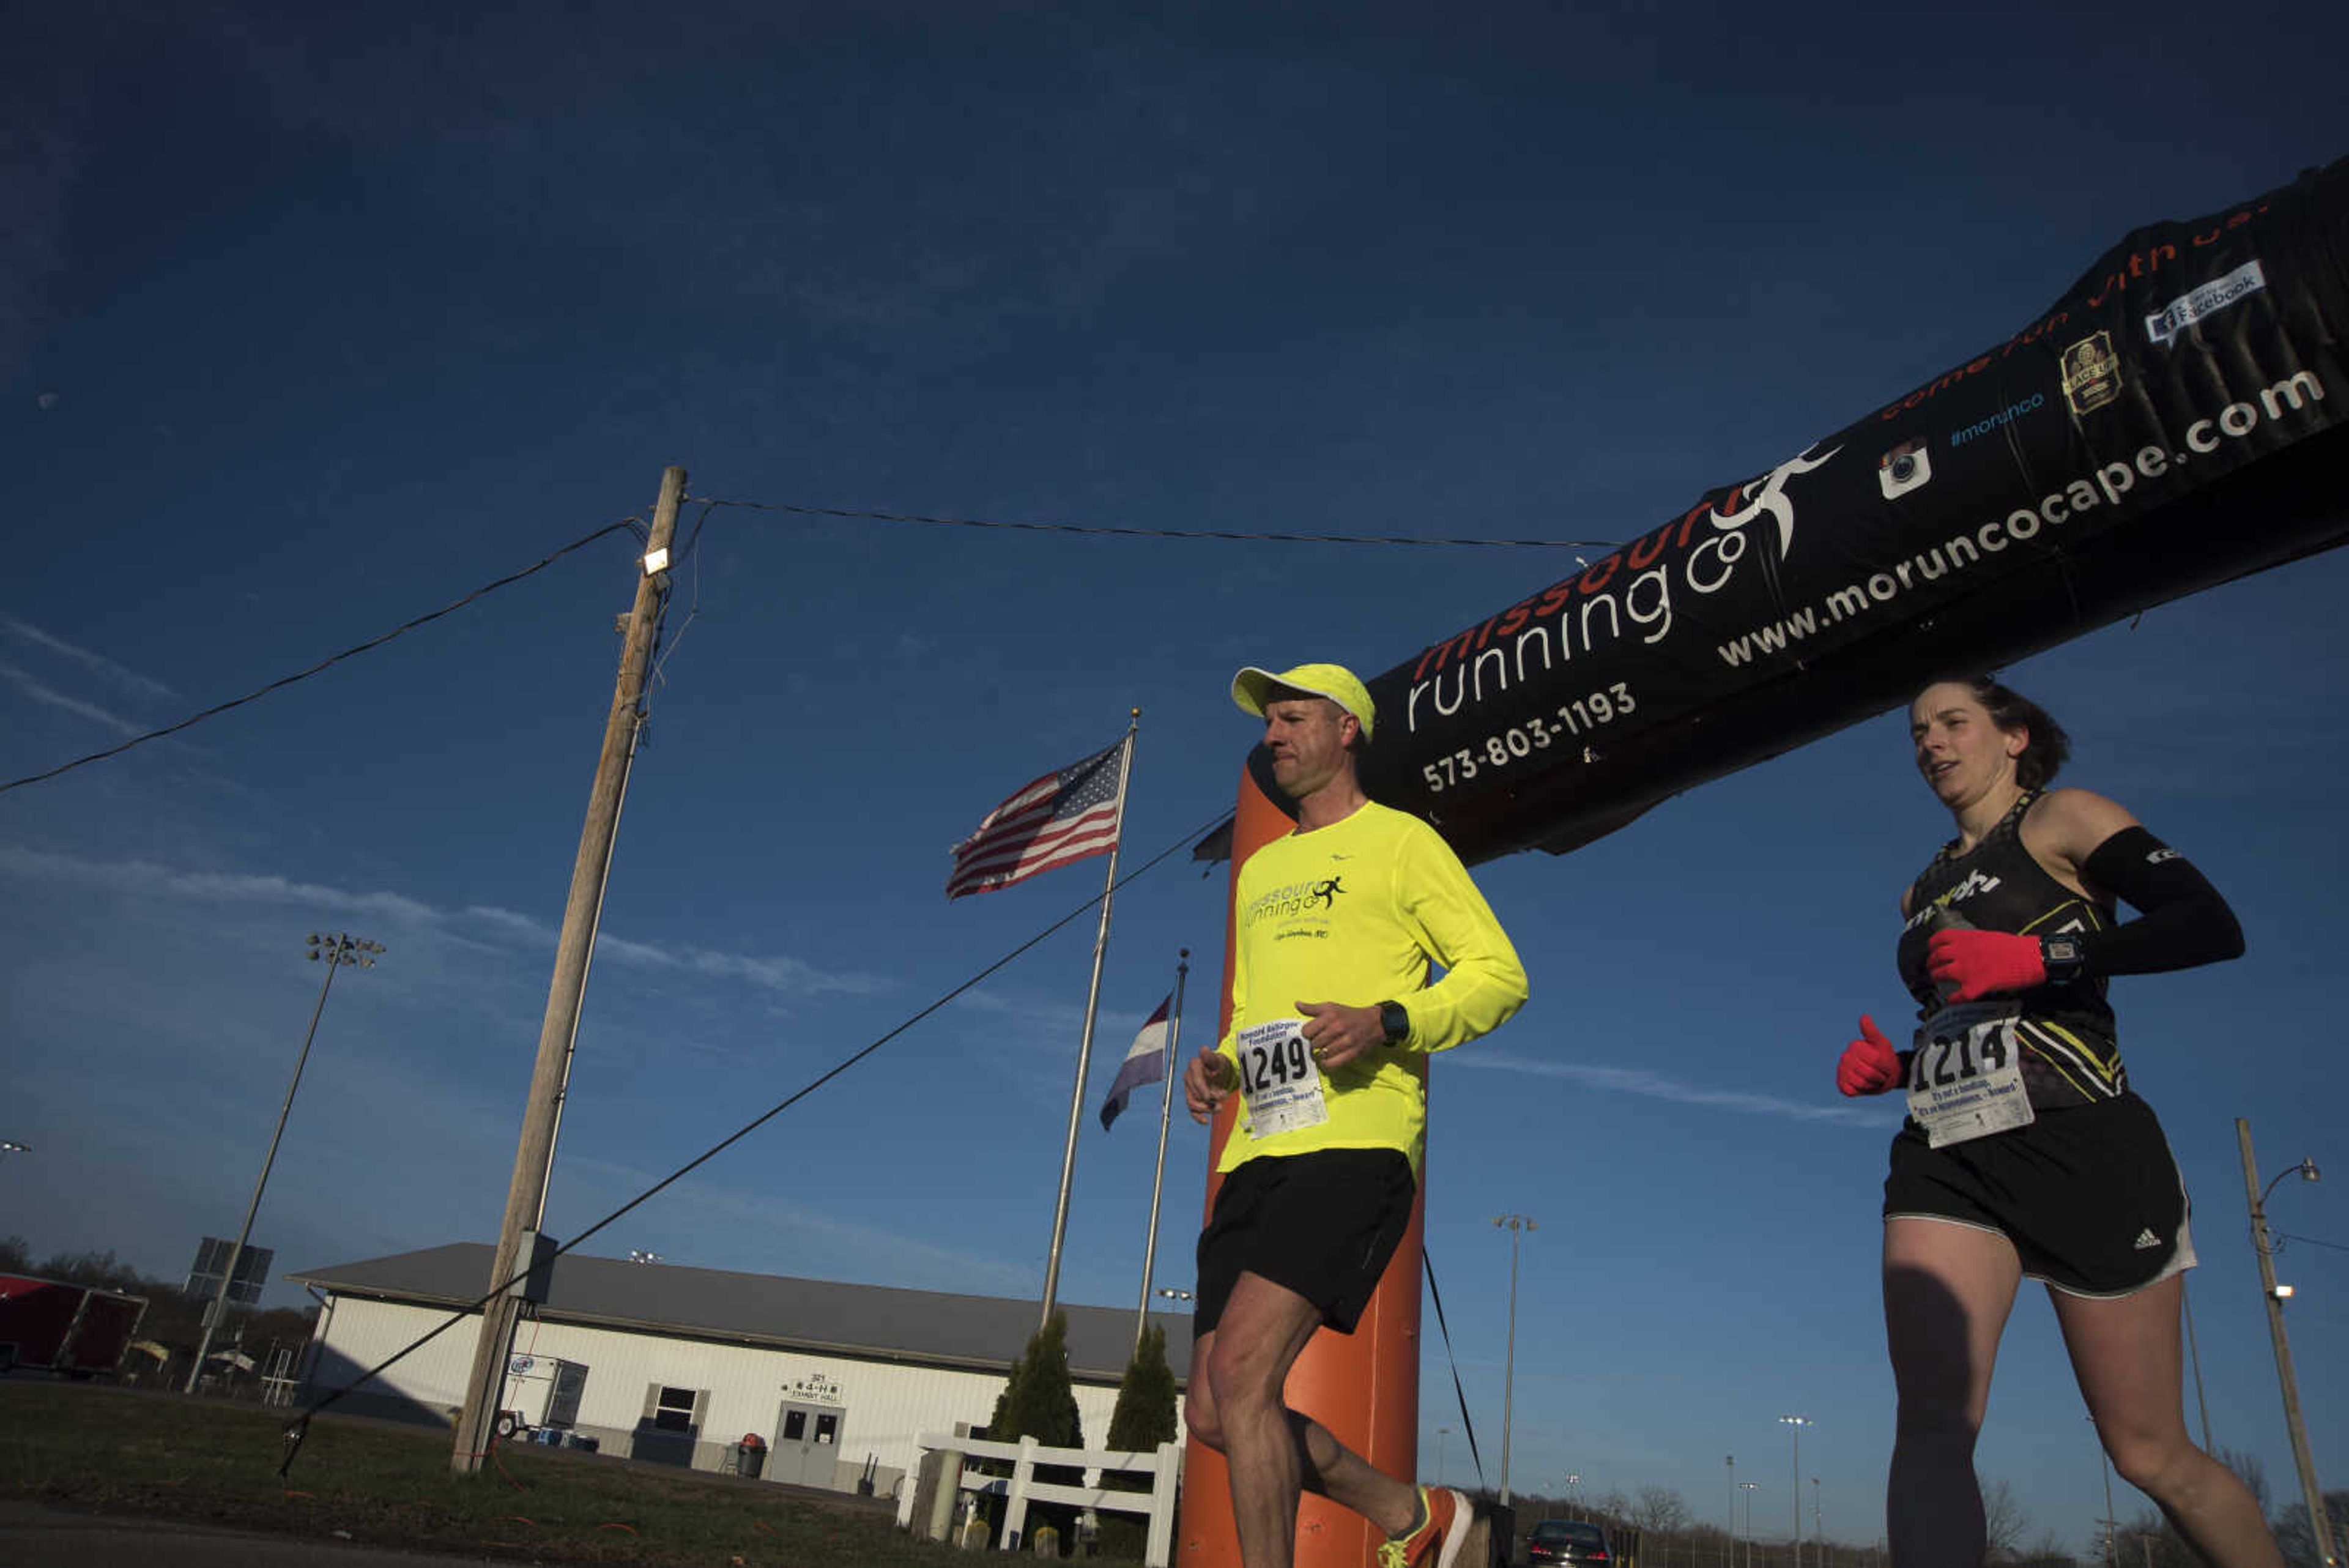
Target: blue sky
(310, 323)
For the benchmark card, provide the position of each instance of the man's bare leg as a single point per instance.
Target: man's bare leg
(1240, 1370)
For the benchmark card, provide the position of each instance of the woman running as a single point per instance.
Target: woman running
(2024, 1152)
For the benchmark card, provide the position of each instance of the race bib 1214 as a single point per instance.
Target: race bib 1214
(1966, 1079)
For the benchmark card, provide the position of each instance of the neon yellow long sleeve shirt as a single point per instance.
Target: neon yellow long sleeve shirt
(1357, 912)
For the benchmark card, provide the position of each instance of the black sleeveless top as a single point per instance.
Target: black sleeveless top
(2071, 1053)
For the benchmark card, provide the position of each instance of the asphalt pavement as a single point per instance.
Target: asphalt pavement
(31, 1536)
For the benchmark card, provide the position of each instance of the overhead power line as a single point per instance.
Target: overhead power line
(2286, 1236)
(693, 540)
(220, 707)
(1157, 533)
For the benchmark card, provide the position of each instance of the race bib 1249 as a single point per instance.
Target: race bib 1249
(1279, 1078)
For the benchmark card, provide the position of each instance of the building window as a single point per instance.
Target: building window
(795, 1426)
(673, 1411)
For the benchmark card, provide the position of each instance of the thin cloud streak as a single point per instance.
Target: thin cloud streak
(74, 705)
(122, 675)
(511, 920)
(145, 878)
(1656, 1086)
(722, 1206)
(1053, 1025)
(788, 976)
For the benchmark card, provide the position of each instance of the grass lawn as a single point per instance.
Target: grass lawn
(122, 1452)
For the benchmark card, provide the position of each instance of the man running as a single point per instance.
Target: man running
(1331, 1014)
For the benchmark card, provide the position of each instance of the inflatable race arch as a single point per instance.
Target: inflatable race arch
(2179, 417)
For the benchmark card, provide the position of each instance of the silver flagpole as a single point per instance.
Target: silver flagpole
(1165, 1113)
(1085, 1045)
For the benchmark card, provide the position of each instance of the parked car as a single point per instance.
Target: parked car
(1568, 1542)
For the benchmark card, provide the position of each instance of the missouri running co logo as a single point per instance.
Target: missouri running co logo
(1766, 496)
(1311, 902)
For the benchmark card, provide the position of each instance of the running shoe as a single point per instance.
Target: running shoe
(1445, 1517)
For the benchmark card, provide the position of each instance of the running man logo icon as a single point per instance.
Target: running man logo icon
(1327, 892)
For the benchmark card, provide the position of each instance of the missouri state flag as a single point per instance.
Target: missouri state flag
(1145, 1062)
(1050, 821)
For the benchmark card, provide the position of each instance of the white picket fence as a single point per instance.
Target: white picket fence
(1164, 1468)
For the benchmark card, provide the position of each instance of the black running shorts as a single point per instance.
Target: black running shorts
(1323, 1224)
(2088, 1194)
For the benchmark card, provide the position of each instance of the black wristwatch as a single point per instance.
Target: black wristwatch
(2062, 959)
(1395, 1022)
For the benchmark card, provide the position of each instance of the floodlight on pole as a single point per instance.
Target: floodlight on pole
(1729, 1538)
(1795, 1425)
(336, 951)
(2109, 1524)
(9, 1146)
(1515, 1225)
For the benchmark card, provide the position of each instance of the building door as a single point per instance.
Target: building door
(806, 1450)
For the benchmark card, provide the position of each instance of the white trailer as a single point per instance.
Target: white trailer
(541, 1391)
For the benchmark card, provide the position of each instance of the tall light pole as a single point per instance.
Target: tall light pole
(1574, 1496)
(1749, 1488)
(2320, 1526)
(2194, 1355)
(1729, 1537)
(1795, 1425)
(2108, 1522)
(1515, 1224)
(333, 951)
(1441, 1433)
(1818, 1529)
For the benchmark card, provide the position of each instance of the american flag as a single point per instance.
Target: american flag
(1062, 816)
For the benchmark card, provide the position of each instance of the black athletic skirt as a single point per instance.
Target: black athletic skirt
(2089, 1195)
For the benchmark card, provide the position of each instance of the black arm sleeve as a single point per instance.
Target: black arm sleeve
(2182, 921)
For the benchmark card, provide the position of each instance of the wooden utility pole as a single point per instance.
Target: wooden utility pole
(518, 1238)
(2320, 1523)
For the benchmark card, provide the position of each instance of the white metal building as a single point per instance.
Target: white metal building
(676, 1365)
